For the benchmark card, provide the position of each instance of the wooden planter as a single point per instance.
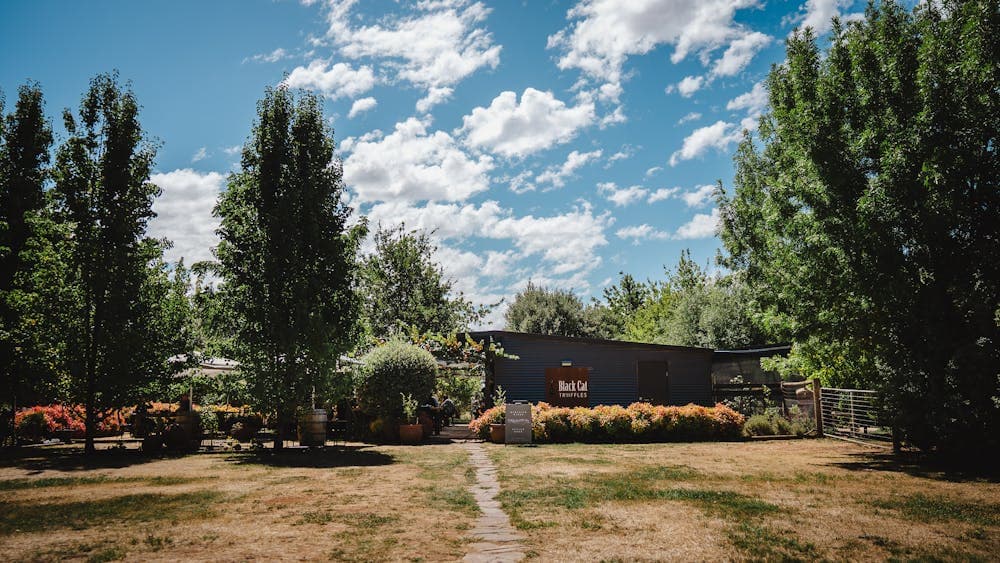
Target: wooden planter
(312, 428)
(411, 434)
(497, 432)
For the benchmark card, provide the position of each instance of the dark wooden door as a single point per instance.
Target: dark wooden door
(653, 384)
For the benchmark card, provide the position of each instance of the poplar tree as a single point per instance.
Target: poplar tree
(117, 342)
(25, 139)
(287, 256)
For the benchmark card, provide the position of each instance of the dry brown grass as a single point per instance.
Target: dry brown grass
(356, 503)
(806, 500)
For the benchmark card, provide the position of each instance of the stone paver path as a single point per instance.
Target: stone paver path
(495, 538)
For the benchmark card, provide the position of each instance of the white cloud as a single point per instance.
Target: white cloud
(627, 151)
(566, 243)
(662, 194)
(362, 105)
(719, 135)
(818, 14)
(413, 165)
(622, 197)
(272, 57)
(184, 213)
(701, 225)
(689, 85)
(515, 129)
(556, 175)
(653, 170)
(434, 97)
(641, 232)
(200, 154)
(519, 183)
(604, 33)
(338, 81)
(753, 101)
(693, 116)
(435, 46)
(233, 150)
(610, 92)
(448, 221)
(739, 54)
(499, 264)
(699, 196)
(614, 118)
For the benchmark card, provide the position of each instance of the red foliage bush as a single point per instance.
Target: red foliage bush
(639, 422)
(42, 421)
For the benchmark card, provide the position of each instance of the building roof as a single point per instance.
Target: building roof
(762, 351)
(499, 334)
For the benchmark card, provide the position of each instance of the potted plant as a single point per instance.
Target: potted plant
(410, 432)
(498, 430)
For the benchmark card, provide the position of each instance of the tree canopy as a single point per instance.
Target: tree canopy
(866, 214)
(403, 288)
(119, 333)
(287, 255)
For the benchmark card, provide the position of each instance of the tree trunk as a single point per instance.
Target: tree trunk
(90, 423)
(279, 434)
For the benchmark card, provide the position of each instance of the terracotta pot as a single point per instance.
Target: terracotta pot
(411, 434)
(497, 432)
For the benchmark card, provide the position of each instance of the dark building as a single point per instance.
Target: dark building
(727, 365)
(568, 371)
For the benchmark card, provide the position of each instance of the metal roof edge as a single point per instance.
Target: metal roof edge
(480, 334)
(773, 348)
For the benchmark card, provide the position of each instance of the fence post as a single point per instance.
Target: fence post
(818, 407)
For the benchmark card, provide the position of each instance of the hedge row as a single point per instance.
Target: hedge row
(639, 422)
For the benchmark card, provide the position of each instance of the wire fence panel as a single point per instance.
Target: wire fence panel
(853, 414)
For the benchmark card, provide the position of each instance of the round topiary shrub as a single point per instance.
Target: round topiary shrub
(391, 369)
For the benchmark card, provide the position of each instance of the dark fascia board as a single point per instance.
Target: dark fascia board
(776, 348)
(499, 334)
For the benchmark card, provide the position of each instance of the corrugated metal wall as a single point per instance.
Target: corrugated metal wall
(613, 377)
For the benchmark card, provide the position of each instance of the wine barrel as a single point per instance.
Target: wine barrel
(312, 428)
(190, 422)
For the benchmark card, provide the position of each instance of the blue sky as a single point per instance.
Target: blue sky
(556, 141)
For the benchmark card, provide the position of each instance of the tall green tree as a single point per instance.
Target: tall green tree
(867, 213)
(624, 299)
(113, 350)
(539, 310)
(404, 289)
(288, 257)
(25, 140)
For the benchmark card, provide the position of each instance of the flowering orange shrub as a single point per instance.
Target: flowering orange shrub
(639, 422)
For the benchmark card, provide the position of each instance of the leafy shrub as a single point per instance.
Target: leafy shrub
(393, 369)
(759, 425)
(209, 421)
(42, 421)
(481, 426)
(639, 422)
(772, 423)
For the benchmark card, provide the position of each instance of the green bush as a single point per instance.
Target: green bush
(759, 425)
(390, 371)
(772, 423)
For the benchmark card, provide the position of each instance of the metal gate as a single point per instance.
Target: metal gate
(852, 414)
